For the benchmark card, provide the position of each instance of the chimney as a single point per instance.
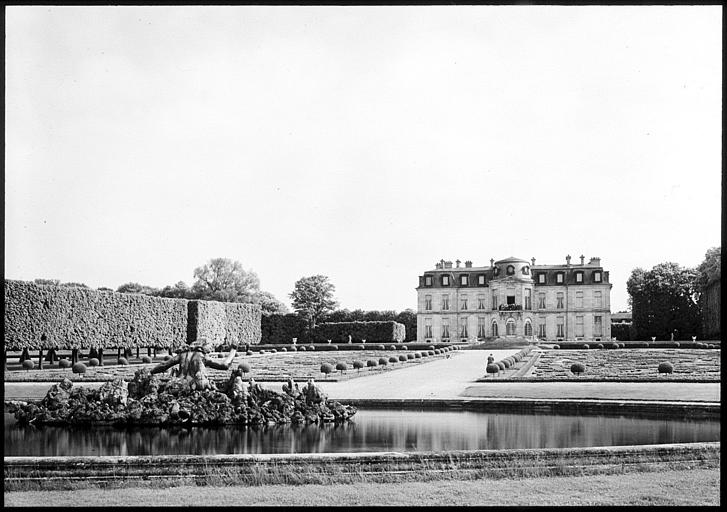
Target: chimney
(447, 264)
(492, 262)
(468, 264)
(458, 262)
(595, 261)
(582, 258)
(567, 260)
(532, 262)
(438, 265)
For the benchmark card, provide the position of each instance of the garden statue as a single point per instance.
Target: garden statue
(193, 361)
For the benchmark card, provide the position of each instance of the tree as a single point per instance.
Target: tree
(408, 317)
(225, 280)
(53, 282)
(313, 298)
(269, 305)
(75, 285)
(136, 288)
(178, 291)
(710, 269)
(664, 300)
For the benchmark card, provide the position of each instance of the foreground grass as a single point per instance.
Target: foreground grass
(682, 487)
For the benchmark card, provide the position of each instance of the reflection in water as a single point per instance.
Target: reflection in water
(372, 430)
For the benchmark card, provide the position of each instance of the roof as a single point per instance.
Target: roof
(512, 259)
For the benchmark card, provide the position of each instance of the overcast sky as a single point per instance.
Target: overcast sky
(362, 143)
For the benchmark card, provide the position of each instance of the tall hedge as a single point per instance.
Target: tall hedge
(283, 328)
(369, 331)
(49, 316)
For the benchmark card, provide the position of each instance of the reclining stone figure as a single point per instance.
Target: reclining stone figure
(193, 362)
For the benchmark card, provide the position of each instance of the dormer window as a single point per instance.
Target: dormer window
(427, 280)
(510, 270)
(559, 277)
(445, 280)
(481, 280)
(526, 270)
(579, 277)
(497, 271)
(541, 278)
(463, 280)
(596, 277)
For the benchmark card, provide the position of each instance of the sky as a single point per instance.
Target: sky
(361, 143)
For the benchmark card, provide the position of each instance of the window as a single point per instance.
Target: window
(445, 328)
(579, 325)
(559, 326)
(445, 302)
(541, 301)
(464, 280)
(494, 301)
(579, 300)
(528, 328)
(541, 329)
(597, 300)
(427, 327)
(427, 302)
(427, 280)
(528, 298)
(525, 270)
(597, 277)
(497, 271)
(559, 277)
(463, 328)
(510, 299)
(445, 280)
(481, 279)
(510, 270)
(463, 302)
(559, 300)
(541, 278)
(597, 326)
(579, 277)
(510, 327)
(481, 322)
(494, 329)
(480, 302)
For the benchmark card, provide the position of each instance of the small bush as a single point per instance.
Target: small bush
(506, 363)
(492, 368)
(599, 346)
(556, 347)
(358, 365)
(122, 361)
(146, 359)
(392, 347)
(65, 363)
(301, 349)
(380, 347)
(342, 367)
(393, 359)
(402, 358)
(28, 364)
(383, 361)
(334, 347)
(418, 355)
(283, 349)
(431, 352)
(410, 356)
(326, 368)
(675, 344)
(244, 368)
(248, 353)
(613, 345)
(585, 346)
(666, 367)
(79, 368)
(501, 365)
(311, 347)
(437, 351)
(274, 351)
(577, 368)
(430, 347)
(93, 362)
(404, 347)
(371, 363)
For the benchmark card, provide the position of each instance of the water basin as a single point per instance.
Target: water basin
(372, 430)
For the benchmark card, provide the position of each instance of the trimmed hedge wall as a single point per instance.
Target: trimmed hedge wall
(372, 332)
(48, 316)
(281, 329)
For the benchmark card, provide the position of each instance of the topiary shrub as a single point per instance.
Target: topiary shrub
(244, 367)
(380, 347)
(65, 363)
(675, 344)
(666, 367)
(146, 359)
(274, 351)
(326, 368)
(283, 349)
(418, 355)
(28, 364)
(585, 346)
(122, 361)
(371, 363)
(392, 347)
(79, 368)
(393, 359)
(358, 365)
(506, 363)
(342, 367)
(501, 365)
(93, 362)
(311, 347)
(404, 347)
(492, 368)
(248, 353)
(301, 349)
(383, 361)
(410, 356)
(556, 347)
(430, 347)
(431, 352)
(599, 346)
(613, 345)
(577, 368)
(402, 358)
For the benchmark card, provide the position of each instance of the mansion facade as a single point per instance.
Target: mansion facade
(514, 298)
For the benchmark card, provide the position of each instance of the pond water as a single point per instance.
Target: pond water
(372, 430)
